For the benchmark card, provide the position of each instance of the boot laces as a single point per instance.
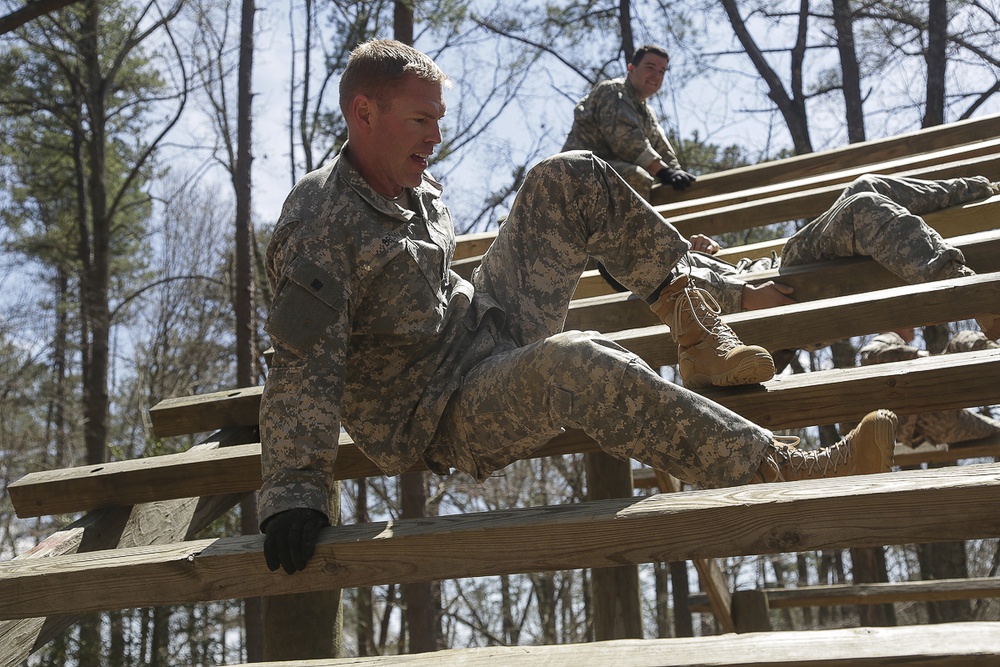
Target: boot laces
(704, 307)
(821, 461)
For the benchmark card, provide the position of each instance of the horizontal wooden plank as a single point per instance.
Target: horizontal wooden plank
(810, 203)
(969, 218)
(819, 398)
(836, 159)
(956, 503)
(943, 645)
(827, 320)
(934, 590)
(834, 179)
(820, 280)
(799, 169)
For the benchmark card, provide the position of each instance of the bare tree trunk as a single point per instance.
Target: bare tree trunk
(625, 22)
(243, 298)
(402, 21)
(791, 104)
(95, 298)
(937, 62)
(843, 21)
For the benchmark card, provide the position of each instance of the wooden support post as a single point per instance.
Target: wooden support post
(751, 612)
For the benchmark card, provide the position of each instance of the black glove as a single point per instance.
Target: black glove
(678, 178)
(290, 538)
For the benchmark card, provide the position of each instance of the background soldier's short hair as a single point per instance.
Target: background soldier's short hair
(649, 48)
(376, 66)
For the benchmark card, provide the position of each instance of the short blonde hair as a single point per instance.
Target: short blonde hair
(374, 68)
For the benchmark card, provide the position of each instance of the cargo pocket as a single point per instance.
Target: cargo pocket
(305, 306)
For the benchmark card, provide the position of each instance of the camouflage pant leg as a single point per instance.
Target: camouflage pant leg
(572, 206)
(514, 402)
(920, 196)
(872, 225)
(954, 426)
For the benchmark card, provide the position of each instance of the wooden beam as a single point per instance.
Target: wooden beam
(944, 645)
(821, 280)
(710, 575)
(160, 522)
(822, 162)
(934, 590)
(956, 503)
(808, 204)
(834, 179)
(827, 320)
(969, 218)
(803, 198)
(823, 397)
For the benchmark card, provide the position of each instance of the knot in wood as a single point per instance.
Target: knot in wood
(785, 540)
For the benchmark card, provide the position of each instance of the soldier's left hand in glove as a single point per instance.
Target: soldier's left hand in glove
(290, 538)
(678, 178)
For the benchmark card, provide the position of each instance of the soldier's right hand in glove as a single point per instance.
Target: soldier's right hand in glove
(678, 178)
(290, 538)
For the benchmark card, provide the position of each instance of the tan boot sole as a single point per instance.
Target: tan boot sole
(882, 425)
(751, 370)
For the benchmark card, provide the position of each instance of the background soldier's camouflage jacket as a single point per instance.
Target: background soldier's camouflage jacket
(364, 299)
(617, 127)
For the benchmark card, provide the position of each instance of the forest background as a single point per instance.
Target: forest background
(136, 202)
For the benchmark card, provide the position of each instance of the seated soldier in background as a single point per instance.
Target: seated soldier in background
(616, 123)
(875, 216)
(936, 428)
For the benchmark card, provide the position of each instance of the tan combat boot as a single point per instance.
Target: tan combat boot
(866, 449)
(708, 351)
(989, 323)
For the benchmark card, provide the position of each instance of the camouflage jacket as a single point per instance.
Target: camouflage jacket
(371, 328)
(616, 126)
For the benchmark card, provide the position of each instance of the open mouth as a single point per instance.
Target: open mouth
(421, 158)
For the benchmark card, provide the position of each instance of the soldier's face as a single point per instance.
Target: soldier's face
(647, 76)
(404, 135)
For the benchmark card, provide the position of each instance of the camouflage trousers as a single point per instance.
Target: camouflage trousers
(540, 381)
(879, 217)
(950, 426)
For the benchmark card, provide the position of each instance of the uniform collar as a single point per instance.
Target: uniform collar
(428, 189)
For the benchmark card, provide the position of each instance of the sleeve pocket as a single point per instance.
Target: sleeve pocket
(307, 302)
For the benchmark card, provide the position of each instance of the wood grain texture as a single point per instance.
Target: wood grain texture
(866, 510)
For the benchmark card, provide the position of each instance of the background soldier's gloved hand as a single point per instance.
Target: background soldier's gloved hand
(678, 178)
(290, 538)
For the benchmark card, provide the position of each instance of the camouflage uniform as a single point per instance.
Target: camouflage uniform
(950, 426)
(620, 128)
(372, 328)
(875, 216)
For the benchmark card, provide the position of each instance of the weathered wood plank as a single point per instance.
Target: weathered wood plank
(821, 162)
(803, 198)
(956, 503)
(821, 280)
(824, 397)
(798, 169)
(834, 179)
(958, 220)
(710, 575)
(944, 645)
(160, 522)
(813, 322)
(936, 590)
(808, 204)
(779, 328)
